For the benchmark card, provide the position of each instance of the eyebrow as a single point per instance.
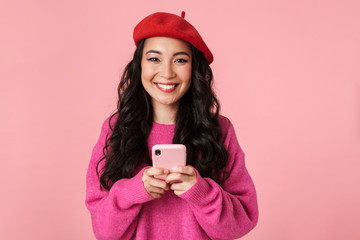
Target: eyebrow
(175, 54)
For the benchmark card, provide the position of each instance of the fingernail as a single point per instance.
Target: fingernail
(166, 171)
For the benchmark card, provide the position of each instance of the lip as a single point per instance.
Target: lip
(165, 89)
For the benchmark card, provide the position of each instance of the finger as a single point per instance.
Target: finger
(178, 187)
(156, 190)
(158, 183)
(156, 171)
(155, 195)
(184, 170)
(178, 192)
(174, 178)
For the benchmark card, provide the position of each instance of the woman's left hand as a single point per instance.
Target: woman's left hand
(181, 179)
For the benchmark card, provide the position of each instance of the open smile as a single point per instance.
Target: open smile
(166, 87)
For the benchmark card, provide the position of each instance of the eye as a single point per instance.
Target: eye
(181, 60)
(153, 59)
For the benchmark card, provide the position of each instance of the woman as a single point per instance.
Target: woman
(165, 97)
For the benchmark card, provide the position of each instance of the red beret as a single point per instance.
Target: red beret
(171, 25)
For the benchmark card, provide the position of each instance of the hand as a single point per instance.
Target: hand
(181, 179)
(155, 187)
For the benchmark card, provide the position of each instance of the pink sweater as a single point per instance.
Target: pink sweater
(205, 211)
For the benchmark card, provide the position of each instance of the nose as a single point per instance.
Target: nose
(167, 70)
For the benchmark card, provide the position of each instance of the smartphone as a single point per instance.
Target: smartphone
(167, 156)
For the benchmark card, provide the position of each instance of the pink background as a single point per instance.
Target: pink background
(286, 72)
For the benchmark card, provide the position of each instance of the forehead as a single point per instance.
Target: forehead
(166, 45)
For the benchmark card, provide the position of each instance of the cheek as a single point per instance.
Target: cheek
(148, 71)
(145, 74)
(187, 76)
(188, 85)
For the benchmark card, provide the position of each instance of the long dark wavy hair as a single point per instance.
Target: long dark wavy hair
(197, 124)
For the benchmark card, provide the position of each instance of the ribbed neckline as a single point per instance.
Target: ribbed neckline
(159, 127)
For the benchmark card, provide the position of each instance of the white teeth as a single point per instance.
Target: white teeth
(166, 86)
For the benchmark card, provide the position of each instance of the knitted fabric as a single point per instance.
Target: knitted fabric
(205, 211)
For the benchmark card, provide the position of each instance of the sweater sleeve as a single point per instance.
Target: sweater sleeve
(228, 211)
(114, 213)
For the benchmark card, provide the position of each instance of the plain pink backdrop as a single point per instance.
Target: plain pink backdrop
(286, 72)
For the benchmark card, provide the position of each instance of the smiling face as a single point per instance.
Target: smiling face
(166, 70)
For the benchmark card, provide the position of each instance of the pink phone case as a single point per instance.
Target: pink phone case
(168, 156)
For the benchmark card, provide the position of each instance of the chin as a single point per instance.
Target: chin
(167, 102)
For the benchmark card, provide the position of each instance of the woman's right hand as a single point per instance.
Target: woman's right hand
(155, 187)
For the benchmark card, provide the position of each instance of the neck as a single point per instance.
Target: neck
(165, 114)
